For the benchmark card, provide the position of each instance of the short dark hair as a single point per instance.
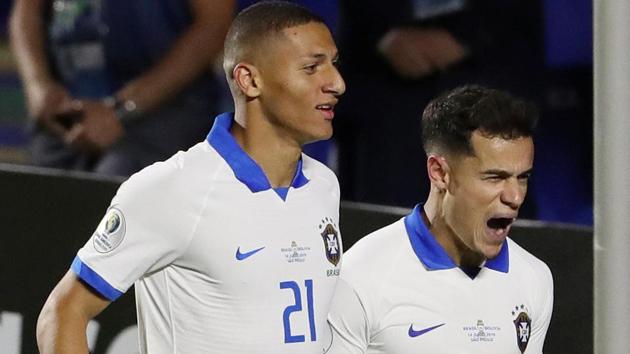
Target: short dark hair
(259, 21)
(449, 120)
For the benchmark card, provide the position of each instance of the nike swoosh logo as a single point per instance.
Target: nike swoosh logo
(241, 256)
(413, 333)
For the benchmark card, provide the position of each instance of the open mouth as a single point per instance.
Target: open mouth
(327, 109)
(499, 227)
(499, 223)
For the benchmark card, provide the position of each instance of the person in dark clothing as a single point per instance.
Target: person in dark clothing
(396, 57)
(113, 86)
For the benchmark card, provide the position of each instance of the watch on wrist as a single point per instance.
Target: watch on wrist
(126, 110)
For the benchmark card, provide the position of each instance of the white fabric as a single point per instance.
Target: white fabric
(185, 219)
(384, 290)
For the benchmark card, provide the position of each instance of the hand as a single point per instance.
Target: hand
(414, 53)
(98, 129)
(46, 101)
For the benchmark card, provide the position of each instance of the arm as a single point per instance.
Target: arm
(45, 97)
(348, 321)
(486, 32)
(191, 55)
(417, 52)
(63, 321)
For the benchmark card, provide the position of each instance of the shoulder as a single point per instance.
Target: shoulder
(533, 277)
(524, 261)
(375, 254)
(318, 172)
(179, 176)
(370, 268)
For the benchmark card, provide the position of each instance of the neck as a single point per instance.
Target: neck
(444, 234)
(276, 156)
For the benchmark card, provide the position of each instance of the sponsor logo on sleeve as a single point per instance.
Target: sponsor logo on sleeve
(110, 232)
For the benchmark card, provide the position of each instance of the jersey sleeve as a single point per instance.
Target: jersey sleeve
(147, 226)
(348, 321)
(540, 323)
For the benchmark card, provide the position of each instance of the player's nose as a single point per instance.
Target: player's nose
(336, 85)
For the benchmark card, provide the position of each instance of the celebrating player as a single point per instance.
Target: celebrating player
(446, 278)
(233, 245)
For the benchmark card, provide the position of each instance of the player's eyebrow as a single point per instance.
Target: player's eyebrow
(498, 173)
(505, 174)
(322, 56)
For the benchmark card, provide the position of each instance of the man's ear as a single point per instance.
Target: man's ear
(438, 171)
(247, 79)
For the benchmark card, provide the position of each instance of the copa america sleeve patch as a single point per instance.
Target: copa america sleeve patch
(110, 231)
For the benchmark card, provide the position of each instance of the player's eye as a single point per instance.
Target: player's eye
(310, 69)
(524, 178)
(492, 178)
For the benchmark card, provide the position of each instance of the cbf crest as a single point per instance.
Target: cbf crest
(523, 324)
(330, 235)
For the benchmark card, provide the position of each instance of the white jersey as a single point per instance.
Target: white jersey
(222, 263)
(400, 293)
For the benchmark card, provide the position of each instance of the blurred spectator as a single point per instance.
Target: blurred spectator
(397, 55)
(114, 85)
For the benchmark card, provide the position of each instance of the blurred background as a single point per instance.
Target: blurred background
(395, 56)
(540, 50)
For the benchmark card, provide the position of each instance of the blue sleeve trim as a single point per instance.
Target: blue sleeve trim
(94, 280)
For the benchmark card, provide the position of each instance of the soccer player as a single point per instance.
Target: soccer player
(233, 245)
(446, 278)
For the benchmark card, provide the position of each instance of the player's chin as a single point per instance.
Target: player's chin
(491, 250)
(322, 133)
(327, 135)
(326, 129)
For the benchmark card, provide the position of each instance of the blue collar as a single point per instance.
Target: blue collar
(244, 167)
(431, 253)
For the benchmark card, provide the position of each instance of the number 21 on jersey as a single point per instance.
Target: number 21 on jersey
(297, 295)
